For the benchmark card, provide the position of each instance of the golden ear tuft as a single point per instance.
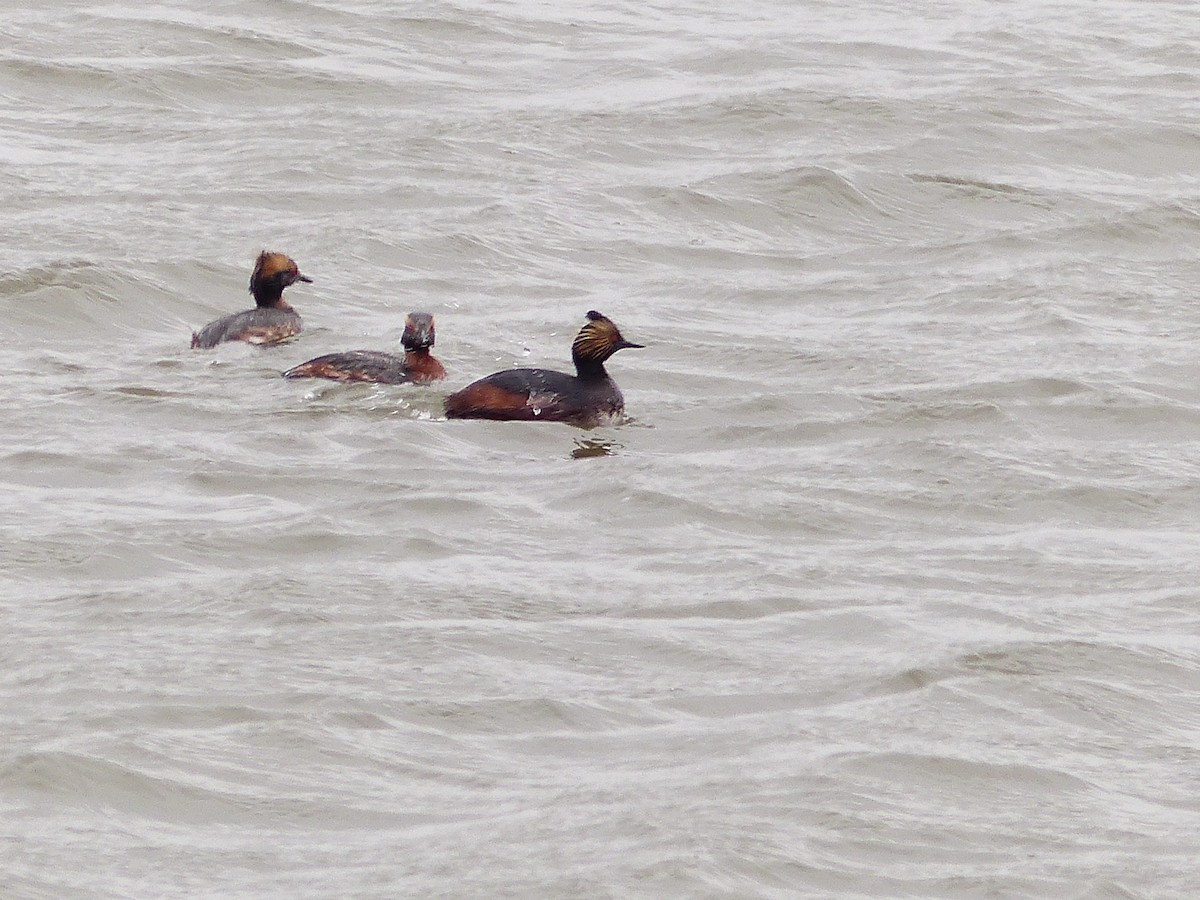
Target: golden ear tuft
(596, 339)
(270, 264)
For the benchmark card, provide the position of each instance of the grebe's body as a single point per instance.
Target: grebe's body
(586, 398)
(272, 319)
(417, 364)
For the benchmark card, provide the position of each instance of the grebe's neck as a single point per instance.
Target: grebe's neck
(422, 364)
(589, 369)
(268, 298)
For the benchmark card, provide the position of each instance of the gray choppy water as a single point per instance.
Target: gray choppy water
(888, 588)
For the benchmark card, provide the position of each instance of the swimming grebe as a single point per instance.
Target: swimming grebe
(272, 320)
(532, 395)
(416, 365)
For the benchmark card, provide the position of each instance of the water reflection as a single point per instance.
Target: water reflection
(588, 447)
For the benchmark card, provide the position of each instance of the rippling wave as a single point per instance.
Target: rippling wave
(883, 588)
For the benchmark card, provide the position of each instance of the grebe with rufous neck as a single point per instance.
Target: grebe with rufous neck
(417, 365)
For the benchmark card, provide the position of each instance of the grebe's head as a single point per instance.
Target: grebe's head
(418, 331)
(272, 273)
(598, 340)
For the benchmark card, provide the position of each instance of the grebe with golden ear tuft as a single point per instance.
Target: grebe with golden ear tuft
(272, 320)
(544, 395)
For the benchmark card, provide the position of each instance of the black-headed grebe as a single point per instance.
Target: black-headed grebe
(417, 364)
(272, 320)
(532, 395)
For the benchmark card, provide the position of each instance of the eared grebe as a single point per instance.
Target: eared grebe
(416, 365)
(272, 320)
(532, 395)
